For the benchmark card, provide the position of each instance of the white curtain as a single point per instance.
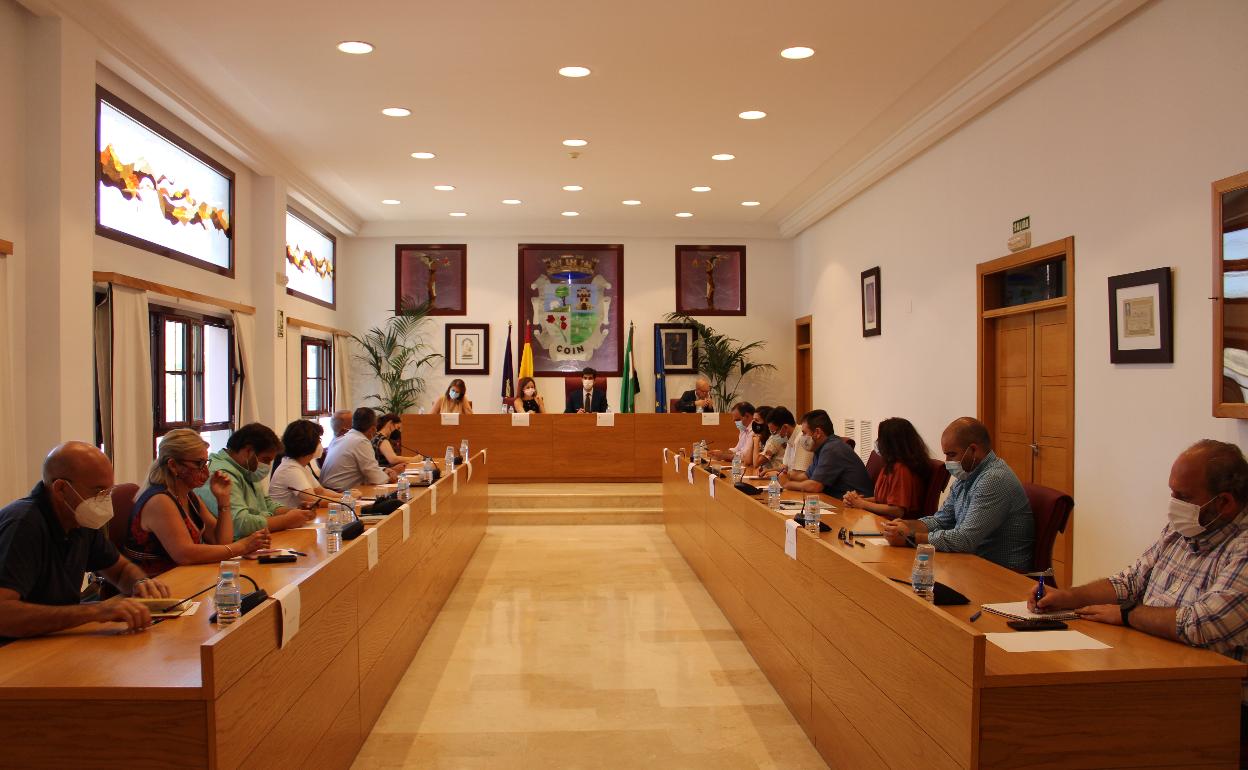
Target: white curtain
(246, 410)
(10, 481)
(131, 384)
(103, 326)
(342, 373)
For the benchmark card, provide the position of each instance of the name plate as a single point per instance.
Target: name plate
(520, 420)
(606, 419)
(708, 418)
(453, 419)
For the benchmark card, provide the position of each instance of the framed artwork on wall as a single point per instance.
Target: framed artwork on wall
(572, 294)
(710, 280)
(467, 349)
(437, 274)
(871, 302)
(310, 260)
(679, 348)
(1141, 329)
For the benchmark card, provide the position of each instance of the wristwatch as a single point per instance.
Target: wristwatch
(1126, 610)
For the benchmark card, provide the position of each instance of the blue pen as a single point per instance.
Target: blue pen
(1039, 590)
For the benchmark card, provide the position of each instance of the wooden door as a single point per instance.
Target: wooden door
(1014, 390)
(804, 367)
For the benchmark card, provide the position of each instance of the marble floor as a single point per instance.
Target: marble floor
(583, 647)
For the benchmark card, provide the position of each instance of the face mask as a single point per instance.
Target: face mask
(955, 467)
(588, 384)
(454, 394)
(529, 392)
(396, 436)
(758, 428)
(319, 453)
(780, 439)
(807, 442)
(1185, 517)
(740, 425)
(261, 472)
(93, 513)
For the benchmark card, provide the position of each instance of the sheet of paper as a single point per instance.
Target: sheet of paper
(710, 483)
(677, 463)
(407, 521)
(287, 599)
(191, 609)
(790, 539)
(469, 467)
(450, 419)
(519, 419)
(606, 419)
(370, 537)
(483, 453)
(1019, 610)
(1045, 641)
(710, 418)
(665, 454)
(689, 473)
(871, 540)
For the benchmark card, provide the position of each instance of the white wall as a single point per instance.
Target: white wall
(367, 287)
(13, 20)
(1116, 146)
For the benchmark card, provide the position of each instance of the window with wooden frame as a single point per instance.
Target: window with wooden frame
(192, 374)
(317, 367)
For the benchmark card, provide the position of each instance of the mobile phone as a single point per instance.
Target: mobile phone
(1039, 624)
(285, 558)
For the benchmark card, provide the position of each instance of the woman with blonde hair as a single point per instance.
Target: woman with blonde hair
(169, 525)
(454, 400)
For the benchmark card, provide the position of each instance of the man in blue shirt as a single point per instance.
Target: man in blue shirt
(834, 469)
(986, 513)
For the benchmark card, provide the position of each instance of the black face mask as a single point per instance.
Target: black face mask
(758, 427)
(396, 436)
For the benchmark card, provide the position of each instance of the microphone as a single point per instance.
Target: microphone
(349, 531)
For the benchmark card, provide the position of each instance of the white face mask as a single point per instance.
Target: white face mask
(454, 394)
(807, 442)
(528, 392)
(93, 513)
(1185, 517)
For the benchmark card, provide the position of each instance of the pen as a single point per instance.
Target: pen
(1039, 590)
(860, 543)
(296, 553)
(975, 617)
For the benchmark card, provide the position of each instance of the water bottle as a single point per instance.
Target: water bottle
(697, 452)
(737, 470)
(333, 528)
(450, 459)
(404, 492)
(426, 473)
(463, 449)
(923, 574)
(773, 493)
(810, 512)
(348, 503)
(228, 598)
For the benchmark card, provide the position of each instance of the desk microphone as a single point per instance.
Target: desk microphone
(349, 531)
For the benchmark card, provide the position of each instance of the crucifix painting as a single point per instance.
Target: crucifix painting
(710, 280)
(436, 274)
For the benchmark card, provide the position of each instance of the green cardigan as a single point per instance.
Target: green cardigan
(250, 507)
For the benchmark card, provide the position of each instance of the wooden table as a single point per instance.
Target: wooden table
(187, 693)
(879, 678)
(569, 447)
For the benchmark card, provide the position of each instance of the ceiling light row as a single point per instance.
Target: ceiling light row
(517, 202)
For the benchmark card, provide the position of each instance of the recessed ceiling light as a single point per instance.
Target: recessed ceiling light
(575, 142)
(798, 52)
(396, 112)
(700, 188)
(444, 187)
(631, 203)
(571, 213)
(574, 72)
(749, 203)
(512, 201)
(391, 202)
(752, 115)
(459, 213)
(423, 155)
(355, 47)
(573, 187)
(723, 156)
(684, 214)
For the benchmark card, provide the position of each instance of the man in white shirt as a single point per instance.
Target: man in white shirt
(350, 461)
(340, 423)
(743, 415)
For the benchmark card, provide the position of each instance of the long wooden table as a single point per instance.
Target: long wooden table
(189, 694)
(879, 678)
(569, 447)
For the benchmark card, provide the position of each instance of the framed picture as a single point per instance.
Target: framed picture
(679, 346)
(467, 349)
(710, 280)
(437, 274)
(310, 256)
(156, 192)
(573, 297)
(1141, 329)
(871, 302)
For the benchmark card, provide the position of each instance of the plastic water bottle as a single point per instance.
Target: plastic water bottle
(923, 574)
(697, 452)
(228, 598)
(737, 470)
(773, 493)
(450, 459)
(463, 449)
(333, 528)
(348, 503)
(810, 512)
(404, 492)
(426, 473)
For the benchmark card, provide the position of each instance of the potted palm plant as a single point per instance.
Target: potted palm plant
(724, 360)
(396, 352)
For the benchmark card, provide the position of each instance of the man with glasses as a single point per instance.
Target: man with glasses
(52, 537)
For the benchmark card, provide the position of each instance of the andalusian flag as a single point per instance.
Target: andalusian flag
(509, 381)
(526, 355)
(629, 383)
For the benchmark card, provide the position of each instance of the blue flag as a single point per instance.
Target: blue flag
(509, 380)
(660, 379)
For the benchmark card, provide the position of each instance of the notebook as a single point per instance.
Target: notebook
(1019, 611)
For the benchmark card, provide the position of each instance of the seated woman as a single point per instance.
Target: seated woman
(528, 400)
(386, 443)
(294, 479)
(780, 427)
(170, 525)
(902, 484)
(454, 400)
(754, 456)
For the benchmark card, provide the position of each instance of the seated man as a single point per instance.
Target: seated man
(586, 399)
(51, 538)
(350, 461)
(247, 459)
(1191, 585)
(339, 423)
(834, 468)
(743, 420)
(698, 399)
(986, 512)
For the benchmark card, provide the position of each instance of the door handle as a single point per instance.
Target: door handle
(1035, 449)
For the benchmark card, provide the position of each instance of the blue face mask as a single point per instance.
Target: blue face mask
(454, 394)
(740, 425)
(955, 467)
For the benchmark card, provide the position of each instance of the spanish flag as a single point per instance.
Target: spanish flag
(526, 356)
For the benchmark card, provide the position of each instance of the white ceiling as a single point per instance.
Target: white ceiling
(668, 81)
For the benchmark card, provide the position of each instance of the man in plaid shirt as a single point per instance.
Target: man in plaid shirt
(1191, 585)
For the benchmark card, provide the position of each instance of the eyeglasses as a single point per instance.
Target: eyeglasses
(103, 494)
(196, 464)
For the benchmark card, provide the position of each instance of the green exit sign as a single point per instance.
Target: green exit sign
(1022, 224)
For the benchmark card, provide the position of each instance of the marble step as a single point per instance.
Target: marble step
(575, 497)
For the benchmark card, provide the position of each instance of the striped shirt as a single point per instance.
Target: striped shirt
(1205, 577)
(986, 514)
